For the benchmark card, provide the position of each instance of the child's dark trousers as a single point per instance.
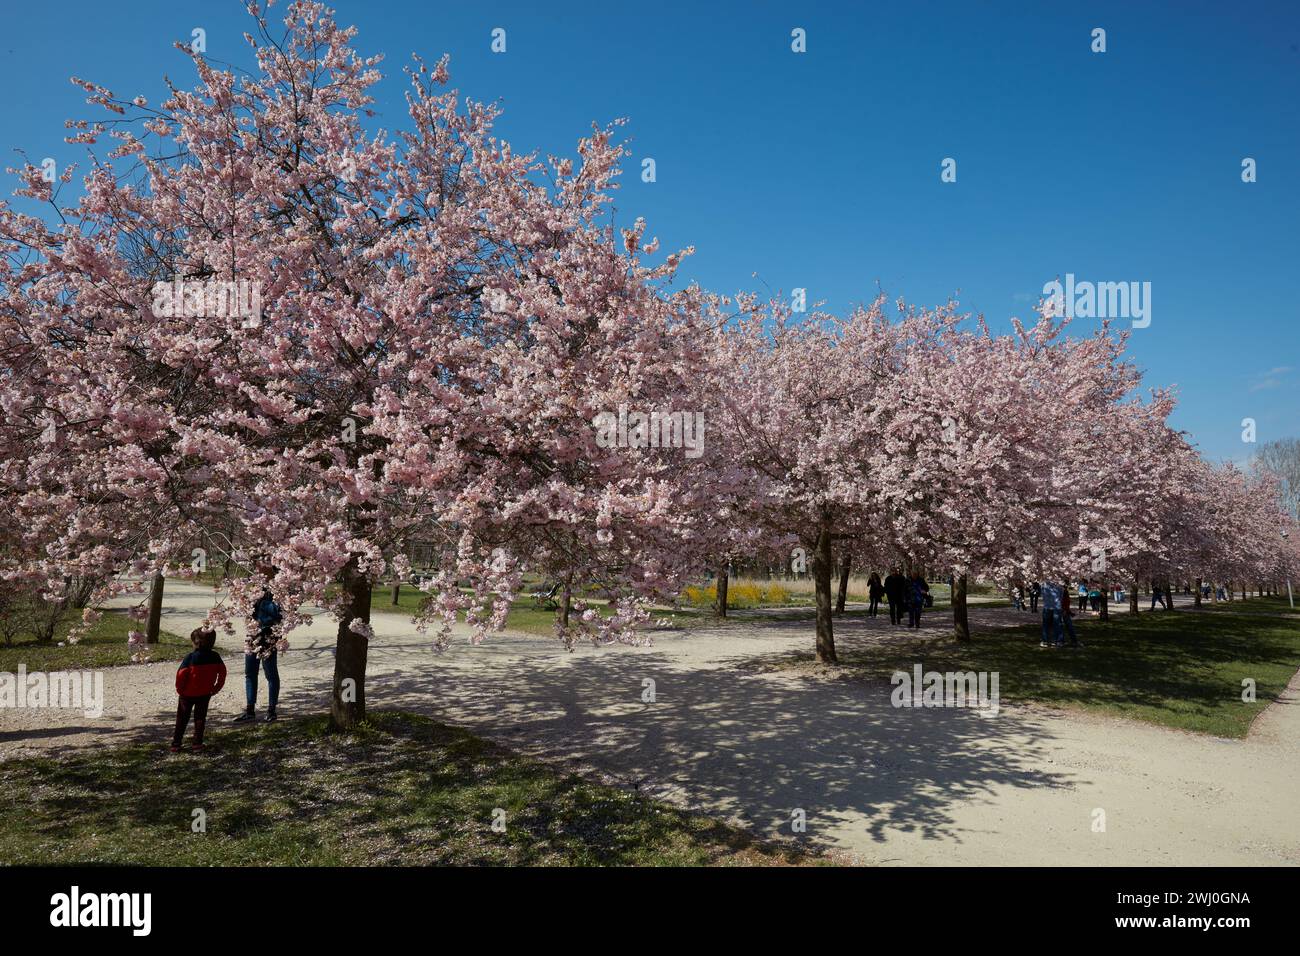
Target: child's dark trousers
(199, 706)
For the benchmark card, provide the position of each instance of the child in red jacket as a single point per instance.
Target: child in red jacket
(201, 675)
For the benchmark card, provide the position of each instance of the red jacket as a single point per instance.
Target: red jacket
(201, 674)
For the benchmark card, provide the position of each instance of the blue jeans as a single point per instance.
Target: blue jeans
(272, 672)
(1052, 621)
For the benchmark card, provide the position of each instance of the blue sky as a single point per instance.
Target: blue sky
(821, 170)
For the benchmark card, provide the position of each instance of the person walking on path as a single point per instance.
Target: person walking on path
(875, 590)
(202, 673)
(920, 593)
(261, 650)
(1052, 595)
(895, 591)
(1035, 591)
(1067, 621)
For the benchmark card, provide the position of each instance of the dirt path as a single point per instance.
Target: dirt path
(891, 786)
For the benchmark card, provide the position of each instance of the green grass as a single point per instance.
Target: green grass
(402, 790)
(1181, 669)
(104, 645)
(409, 599)
(1272, 605)
(525, 616)
(215, 574)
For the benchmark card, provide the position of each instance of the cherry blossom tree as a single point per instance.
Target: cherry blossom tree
(269, 330)
(264, 317)
(808, 406)
(993, 450)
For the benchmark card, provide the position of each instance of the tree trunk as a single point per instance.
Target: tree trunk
(960, 620)
(720, 604)
(1196, 595)
(348, 702)
(1169, 595)
(397, 593)
(822, 573)
(566, 605)
(844, 585)
(155, 610)
(1105, 602)
(1133, 598)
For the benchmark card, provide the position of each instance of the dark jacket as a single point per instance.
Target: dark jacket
(201, 674)
(895, 586)
(919, 591)
(267, 614)
(266, 611)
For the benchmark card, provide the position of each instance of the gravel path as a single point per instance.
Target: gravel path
(885, 785)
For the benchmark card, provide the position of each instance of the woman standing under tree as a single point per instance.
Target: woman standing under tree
(919, 592)
(875, 591)
(262, 648)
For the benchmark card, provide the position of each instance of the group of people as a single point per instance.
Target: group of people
(1088, 596)
(1158, 596)
(202, 673)
(1057, 615)
(904, 594)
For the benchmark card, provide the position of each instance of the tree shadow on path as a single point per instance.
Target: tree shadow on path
(754, 748)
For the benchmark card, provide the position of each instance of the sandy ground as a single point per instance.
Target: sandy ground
(884, 785)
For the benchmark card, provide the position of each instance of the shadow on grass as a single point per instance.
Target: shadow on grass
(402, 790)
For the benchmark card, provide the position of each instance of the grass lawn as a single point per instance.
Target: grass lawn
(409, 599)
(104, 645)
(1272, 605)
(216, 575)
(1182, 669)
(524, 615)
(402, 790)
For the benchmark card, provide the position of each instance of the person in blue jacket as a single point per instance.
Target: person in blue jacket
(261, 649)
(919, 591)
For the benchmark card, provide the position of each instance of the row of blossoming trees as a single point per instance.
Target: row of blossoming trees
(920, 439)
(442, 320)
